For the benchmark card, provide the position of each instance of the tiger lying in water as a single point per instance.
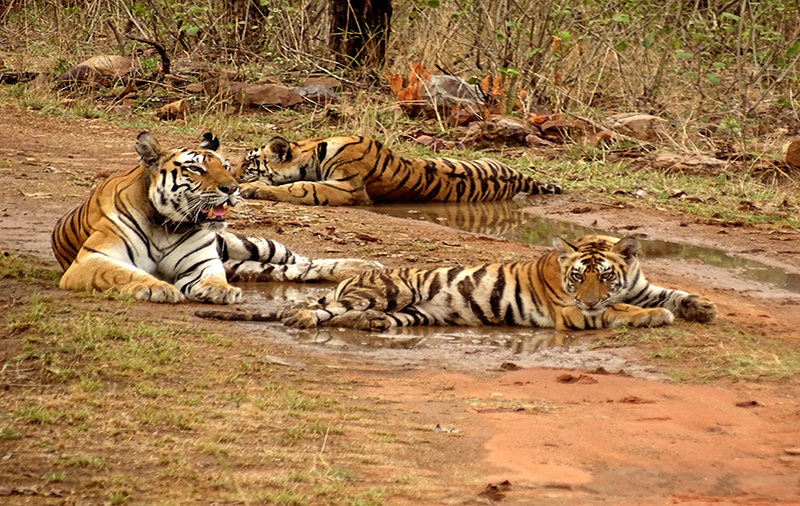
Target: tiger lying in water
(593, 283)
(358, 170)
(157, 233)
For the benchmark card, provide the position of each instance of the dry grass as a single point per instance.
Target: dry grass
(125, 411)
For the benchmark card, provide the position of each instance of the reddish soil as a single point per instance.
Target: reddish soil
(574, 435)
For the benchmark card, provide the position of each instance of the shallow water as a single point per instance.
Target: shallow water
(506, 220)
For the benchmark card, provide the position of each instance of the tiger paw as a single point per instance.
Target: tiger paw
(300, 318)
(255, 191)
(369, 320)
(696, 308)
(350, 267)
(654, 317)
(548, 188)
(159, 292)
(216, 292)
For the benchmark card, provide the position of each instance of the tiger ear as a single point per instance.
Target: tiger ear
(209, 142)
(149, 149)
(563, 247)
(280, 150)
(627, 247)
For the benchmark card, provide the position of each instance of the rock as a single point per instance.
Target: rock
(560, 130)
(446, 92)
(535, 140)
(328, 82)
(81, 76)
(465, 114)
(317, 93)
(791, 153)
(194, 88)
(688, 163)
(507, 128)
(268, 94)
(641, 126)
(604, 137)
(109, 65)
(41, 82)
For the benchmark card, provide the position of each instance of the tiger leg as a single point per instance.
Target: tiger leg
(617, 315)
(313, 193)
(314, 316)
(689, 306)
(96, 271)
(199, 274)
(258, 259)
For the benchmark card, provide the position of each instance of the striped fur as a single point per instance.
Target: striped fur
(359, 170)
(157, 233)
(594, 283)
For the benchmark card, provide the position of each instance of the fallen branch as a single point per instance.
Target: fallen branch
(165, 63)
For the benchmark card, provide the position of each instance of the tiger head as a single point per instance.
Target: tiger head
(280, 161)
(598, 271)
(189, 186)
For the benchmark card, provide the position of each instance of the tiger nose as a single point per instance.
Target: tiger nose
(229, 188)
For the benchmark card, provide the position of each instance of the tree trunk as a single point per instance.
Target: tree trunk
(359, 31)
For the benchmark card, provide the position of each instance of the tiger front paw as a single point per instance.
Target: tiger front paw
(696, 308)
(369, 320)
(300, 318)
(653, 317)
(157, 291)
(255, 191)
(216, 292)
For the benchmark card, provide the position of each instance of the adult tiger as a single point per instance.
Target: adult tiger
(157, 233)
(594, 283)
(359, 170)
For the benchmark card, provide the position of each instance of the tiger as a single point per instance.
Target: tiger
(340, 171)
(157, 233)
(595, 282)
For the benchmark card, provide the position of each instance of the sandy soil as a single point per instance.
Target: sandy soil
(600, 429)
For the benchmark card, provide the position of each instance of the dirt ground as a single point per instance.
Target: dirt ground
(606, 437)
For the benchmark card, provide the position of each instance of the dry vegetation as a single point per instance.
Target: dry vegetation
(723, 76)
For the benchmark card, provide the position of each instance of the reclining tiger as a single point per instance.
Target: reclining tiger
(157, 233)
(341, 171)
(595, 282)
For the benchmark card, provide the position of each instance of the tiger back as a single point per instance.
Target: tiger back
(596, 282)
(359, 170)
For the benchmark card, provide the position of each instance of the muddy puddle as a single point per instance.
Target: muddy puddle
(461, 348)
(507, 220)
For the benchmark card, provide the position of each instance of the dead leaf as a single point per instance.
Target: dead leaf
(576, 378)
(39, 195)
(632, 399)
(749, 404)
(366, 238)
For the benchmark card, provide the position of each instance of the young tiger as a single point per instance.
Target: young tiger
(157, 233)
(357, 170)
(592, 283)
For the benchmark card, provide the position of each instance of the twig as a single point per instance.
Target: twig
(165, 69)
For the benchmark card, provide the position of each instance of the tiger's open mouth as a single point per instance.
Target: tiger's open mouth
(214, 213)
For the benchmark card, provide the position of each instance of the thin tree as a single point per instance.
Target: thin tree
(359, 31)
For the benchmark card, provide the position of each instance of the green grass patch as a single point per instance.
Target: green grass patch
(692, 354)
(27, 268)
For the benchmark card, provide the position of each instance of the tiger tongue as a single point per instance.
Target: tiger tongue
(217, 212)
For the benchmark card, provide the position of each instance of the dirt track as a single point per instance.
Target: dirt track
(600, 439)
